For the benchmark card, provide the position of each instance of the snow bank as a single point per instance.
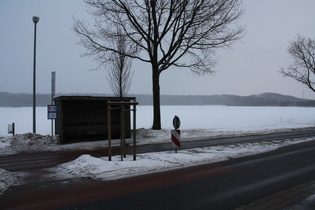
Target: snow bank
(6, 180)
(87, 166)
(25, 142)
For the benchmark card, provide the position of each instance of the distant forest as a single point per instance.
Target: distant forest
(264, 99)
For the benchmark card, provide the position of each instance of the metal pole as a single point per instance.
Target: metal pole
(109, 130)
(134, 131)
(124, 130)
(53, 84)
(52, 120)
(35, 20)
(13, 128)
(52, 128)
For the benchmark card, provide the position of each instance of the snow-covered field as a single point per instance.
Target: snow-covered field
(213, 118)
(197, 122)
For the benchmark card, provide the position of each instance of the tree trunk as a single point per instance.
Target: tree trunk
(156, 98)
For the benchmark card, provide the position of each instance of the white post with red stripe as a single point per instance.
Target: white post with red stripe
(175, 139)
(175, 134)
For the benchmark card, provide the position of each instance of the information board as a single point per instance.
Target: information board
(52, 112)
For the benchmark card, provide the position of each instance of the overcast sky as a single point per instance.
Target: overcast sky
(250, 67)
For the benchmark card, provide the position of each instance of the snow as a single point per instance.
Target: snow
(306, 203)
(26, 143)
(6, 180)
(87, 166)
(197, 122)
(213, 118)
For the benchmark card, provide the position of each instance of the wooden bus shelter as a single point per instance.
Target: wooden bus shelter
(84, 118)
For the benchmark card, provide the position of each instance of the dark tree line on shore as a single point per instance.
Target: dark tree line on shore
(265, 99)
(23, 99)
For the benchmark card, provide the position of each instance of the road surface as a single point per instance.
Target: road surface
(29, 161)
(223, 185)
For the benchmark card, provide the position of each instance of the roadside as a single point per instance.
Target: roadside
(90, 167)
(29, 142)
(237, 179)
(151, 158)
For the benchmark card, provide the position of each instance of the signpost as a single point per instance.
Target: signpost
(175, 134)
(11, 129)
(52, 110)
(53, 84)
(52, 114)
(176, 122)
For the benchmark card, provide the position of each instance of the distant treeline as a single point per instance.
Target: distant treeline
(265, 99)
(23, 100)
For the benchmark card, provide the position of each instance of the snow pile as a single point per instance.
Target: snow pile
(31, 141)
(25, 142)
(4, 143)
(87, 166)
(6, 180)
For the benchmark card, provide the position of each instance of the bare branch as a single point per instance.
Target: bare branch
(120, 74)
(182, 34)
(302, 69)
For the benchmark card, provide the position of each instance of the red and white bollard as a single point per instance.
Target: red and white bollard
(175, 134)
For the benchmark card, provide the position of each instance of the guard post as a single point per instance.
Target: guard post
(175, 134)
(122, 106)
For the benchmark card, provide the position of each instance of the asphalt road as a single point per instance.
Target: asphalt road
(29, 161)
(223, 185)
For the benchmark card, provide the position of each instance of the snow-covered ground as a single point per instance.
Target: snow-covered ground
(212, 118)
(87, 166)
(197, 122)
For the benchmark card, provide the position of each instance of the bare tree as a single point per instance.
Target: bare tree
(120, 74)
(302, 50)
(174, 33)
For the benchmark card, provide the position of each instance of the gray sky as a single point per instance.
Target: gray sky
(250, 67)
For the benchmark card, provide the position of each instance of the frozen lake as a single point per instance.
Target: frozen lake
(217, 118)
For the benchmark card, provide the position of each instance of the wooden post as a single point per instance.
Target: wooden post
(121, 106)
(109, 131)
(121, 133)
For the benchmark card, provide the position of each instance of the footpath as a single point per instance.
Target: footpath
(296, 198)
